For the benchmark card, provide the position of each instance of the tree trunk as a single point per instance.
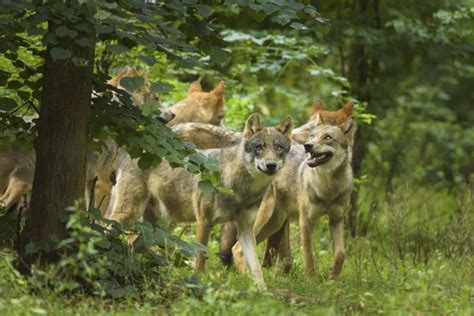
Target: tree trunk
(61, 148)
(361, 67)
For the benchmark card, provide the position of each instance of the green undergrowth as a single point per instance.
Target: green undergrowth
(386, 272)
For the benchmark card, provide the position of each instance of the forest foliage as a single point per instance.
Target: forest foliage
(409, 68)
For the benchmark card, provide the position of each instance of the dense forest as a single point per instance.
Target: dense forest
(103, 102)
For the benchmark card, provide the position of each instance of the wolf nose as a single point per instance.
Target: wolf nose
(271, 166)
(308, 147)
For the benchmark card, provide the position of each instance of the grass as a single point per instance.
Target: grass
(371, 283)
(410, 263)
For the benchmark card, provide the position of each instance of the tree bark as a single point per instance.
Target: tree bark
(361, 67)
(61, 147)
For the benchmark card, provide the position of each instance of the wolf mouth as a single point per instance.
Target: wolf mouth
(268, 173)
(316, 159)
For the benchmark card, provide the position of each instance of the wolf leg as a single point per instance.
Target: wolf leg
(129, 196)
(248, 243)
(306, 230)
(262, 232)
(337, 233)
(266, 224)
(227, 239)
(15, 190)
(278, 247)
(203, 230)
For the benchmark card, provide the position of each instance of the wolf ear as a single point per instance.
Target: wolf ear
(318, 106)
(348, 109)
(252, 125)
(301, 134)
(115, 80)
(143, 73)
(195, 87)
(286, 126)
(219, 90)
(318, 121)
(131, 72)
(348, 126)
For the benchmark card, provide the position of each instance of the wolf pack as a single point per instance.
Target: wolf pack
(275, 174)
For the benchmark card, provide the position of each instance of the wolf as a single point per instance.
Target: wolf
(16, 174)
(200, 106)
(316, 181)
(17, 163)
(205, 135)
(208, 136)
(247, 169)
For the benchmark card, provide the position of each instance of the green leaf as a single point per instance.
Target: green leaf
(298, 26)
(161, 87)
(206, 187)
(198, 158)
(102, 15)
(269, 8)
(132, 83)
(219, 56)
(104, 29)
(204, 10)
(59, 53)
(24, 95)
(117, 49)
(145, 162)
(103, 243)
(15, 84)
(296, 6)
(65, 31)
(7, 104)
(84, 41)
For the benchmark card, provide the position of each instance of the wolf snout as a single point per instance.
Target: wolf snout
(308, 147)
(271, 166)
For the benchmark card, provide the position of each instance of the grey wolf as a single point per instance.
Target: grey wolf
(200, 106)
(316, 181)
(16, 174)
(17, 164)
(247, 169)
(208, 136)
(205, 135)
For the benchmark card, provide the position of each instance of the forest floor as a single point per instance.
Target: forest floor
(372, 282)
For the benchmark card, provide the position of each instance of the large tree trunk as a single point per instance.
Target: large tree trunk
(61, 148)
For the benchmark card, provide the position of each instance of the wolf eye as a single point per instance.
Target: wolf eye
(259, 147)
(278, 148)
(327, 137)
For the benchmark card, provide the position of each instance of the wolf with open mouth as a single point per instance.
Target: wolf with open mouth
(315, 181)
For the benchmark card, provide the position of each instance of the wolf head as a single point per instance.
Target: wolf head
(266, 147)
(143, 92)
(321, 115)
(330, 142)
(200, 106)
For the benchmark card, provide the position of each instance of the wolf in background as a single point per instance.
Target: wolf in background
(206, 136)
(17, 164)
(200, 106)
(208, 107)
